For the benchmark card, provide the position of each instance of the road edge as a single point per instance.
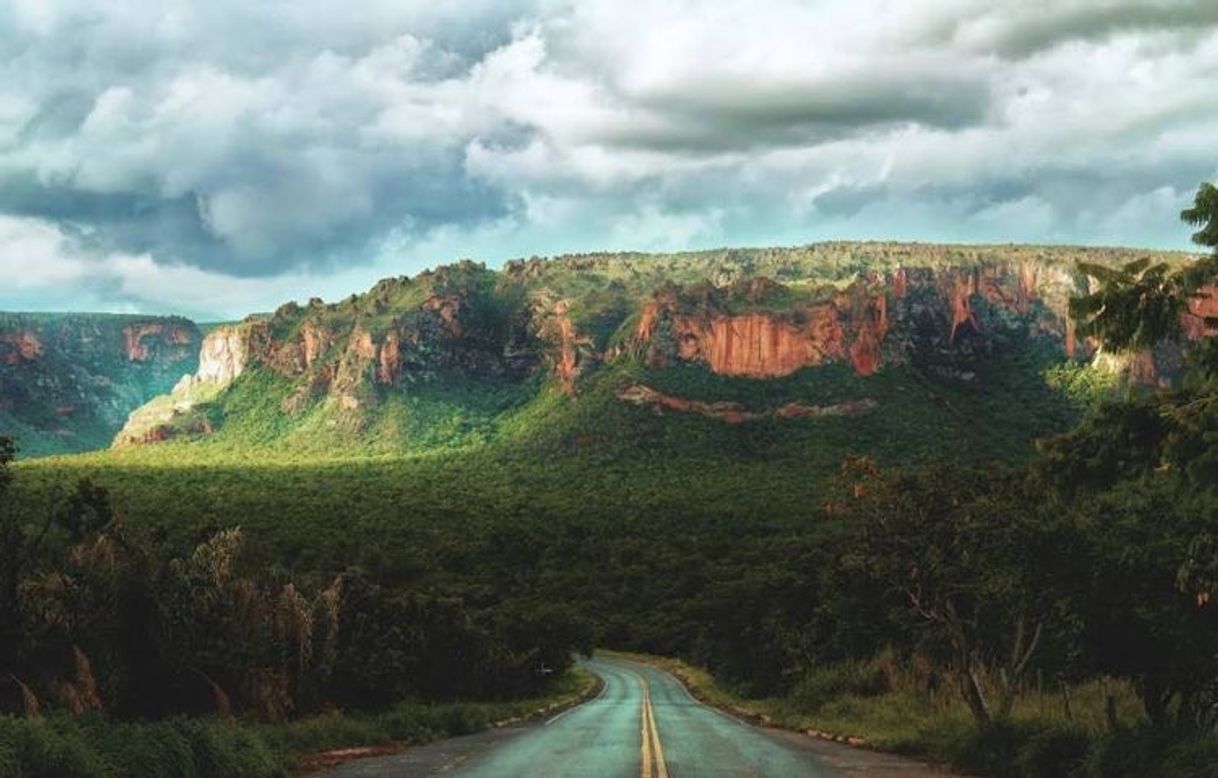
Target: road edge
(676, 669)
(312, 764)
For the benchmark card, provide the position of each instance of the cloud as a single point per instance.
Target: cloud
(257, 150)
(1022, 29)
(39, 262)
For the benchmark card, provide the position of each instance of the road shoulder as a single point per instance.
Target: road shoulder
(847, 754)
(325, 761)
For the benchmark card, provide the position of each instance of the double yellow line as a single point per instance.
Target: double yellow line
(653, 751)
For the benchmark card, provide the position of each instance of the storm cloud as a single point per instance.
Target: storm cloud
(215, 158)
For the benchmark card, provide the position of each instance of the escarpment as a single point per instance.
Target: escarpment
(139, 339)
(555, 325)
(872, 321)
(223, 355)
(68, 381)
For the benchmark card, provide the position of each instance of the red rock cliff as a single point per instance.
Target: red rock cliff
(857, 325)
(1202, 307)
(135, 338)
(18, 347)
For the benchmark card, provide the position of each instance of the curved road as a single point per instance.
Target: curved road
(643, 724)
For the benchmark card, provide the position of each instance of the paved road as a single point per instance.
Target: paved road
(643, 724)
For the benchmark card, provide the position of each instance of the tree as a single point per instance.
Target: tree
(20, 544)
(1138, 306)
(969, 553)
(1142, 474)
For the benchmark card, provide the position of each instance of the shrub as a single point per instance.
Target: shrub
(222, 749)
(992, 750)
(331, 730)
(824, 683)
(1192, 759)
(1132, 754)
(145, 750)
(50, 748)
(1057, 751)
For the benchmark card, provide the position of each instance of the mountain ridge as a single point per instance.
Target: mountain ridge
(340, 370)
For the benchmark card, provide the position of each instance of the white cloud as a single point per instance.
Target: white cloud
(33, 255)
(266, 146)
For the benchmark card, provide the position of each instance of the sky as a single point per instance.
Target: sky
(219, 158)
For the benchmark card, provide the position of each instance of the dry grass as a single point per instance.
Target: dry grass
(901, 714)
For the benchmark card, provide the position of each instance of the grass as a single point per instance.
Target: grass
(93, 746)
(882, 704)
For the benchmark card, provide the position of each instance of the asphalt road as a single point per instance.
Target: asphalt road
(643, 724)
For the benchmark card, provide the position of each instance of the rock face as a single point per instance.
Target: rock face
(875, 320)
(754, 314)
(572, 354)
(18, 347)
(138, 337)
(734, 412)
(1201, 320)
(68, 381)
(223, 355)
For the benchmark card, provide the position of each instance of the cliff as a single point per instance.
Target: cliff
(753, 329)
(358, 367)
(68, 381)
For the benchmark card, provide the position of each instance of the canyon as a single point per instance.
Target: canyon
(69, 381)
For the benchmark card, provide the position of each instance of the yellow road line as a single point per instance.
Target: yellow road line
(661, 767)
(653, 765)
(646, 771)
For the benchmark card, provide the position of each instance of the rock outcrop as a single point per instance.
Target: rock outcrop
(873, 321)
(68, 381)
(224, 355)
(136, 337)
(18, 347)
(1201, 319)
(757, 314)
(732, 412)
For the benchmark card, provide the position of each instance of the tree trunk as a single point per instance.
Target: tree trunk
(974, 696)
(1022, 649)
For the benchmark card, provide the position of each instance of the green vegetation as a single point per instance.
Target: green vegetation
(94, 746)
(68, 381)
(920, 574)
(1054, 728)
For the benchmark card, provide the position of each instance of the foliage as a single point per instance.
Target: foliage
(94, 746)
(973, 558)
(1043, 611)
(67, 380)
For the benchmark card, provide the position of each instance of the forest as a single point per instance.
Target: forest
(1049, 614)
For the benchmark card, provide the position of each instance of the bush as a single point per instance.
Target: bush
(330, 730)
(152, 750)
(993, 750)
(462, 719)
(1192, 759)
(222, 749)
(1057, 751)
(824, 683)
(50, 748)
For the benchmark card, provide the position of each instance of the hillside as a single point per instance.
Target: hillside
(68, 381)
(785, 344)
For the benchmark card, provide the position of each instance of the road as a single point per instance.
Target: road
(643, 724)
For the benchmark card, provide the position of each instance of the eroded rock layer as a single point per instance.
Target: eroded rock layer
(753, 314)
(872, 321)
(68, 381)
